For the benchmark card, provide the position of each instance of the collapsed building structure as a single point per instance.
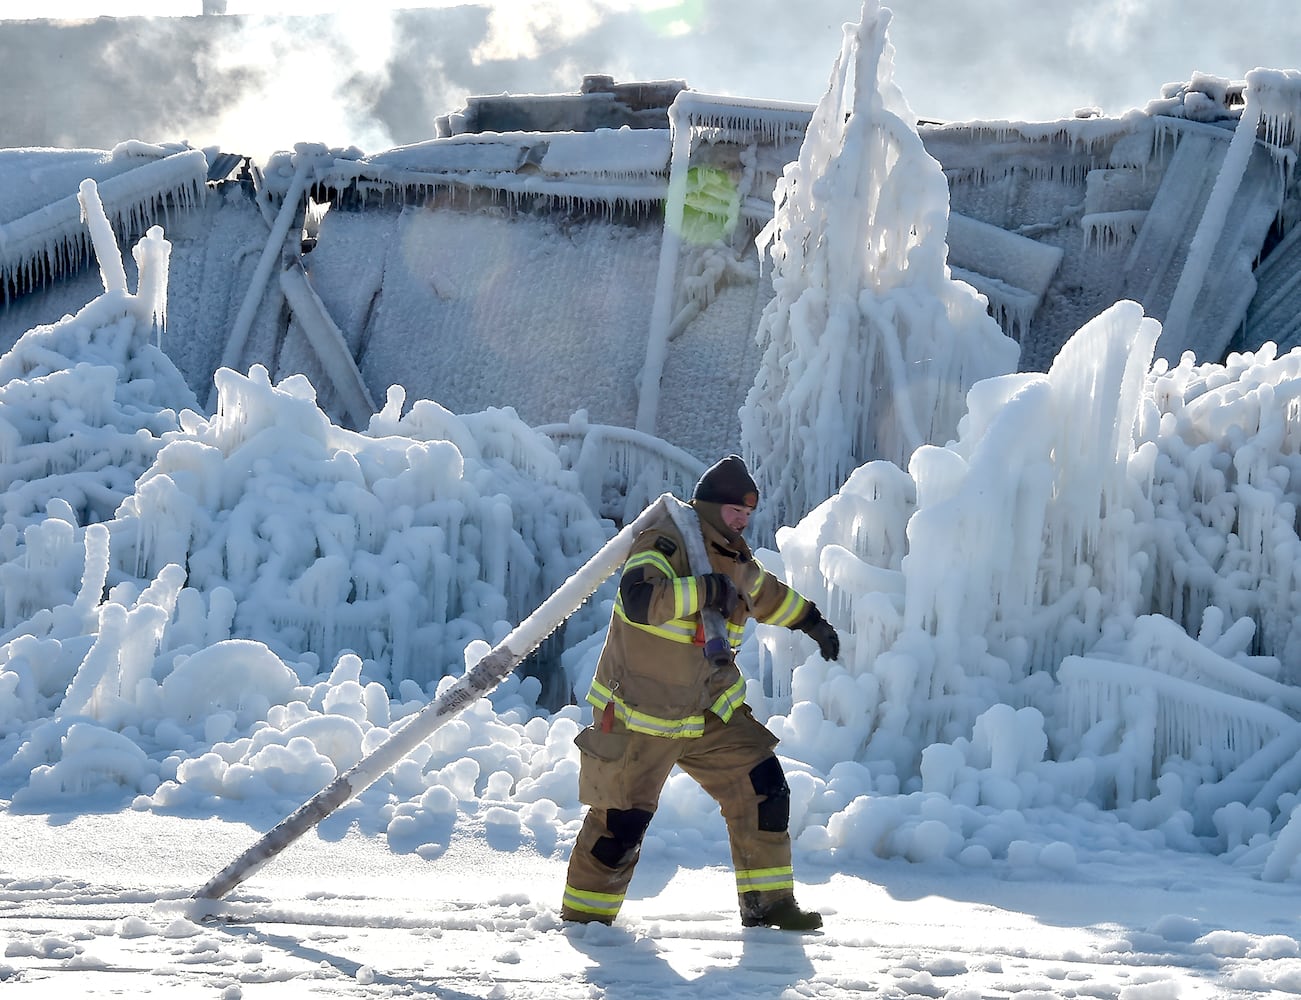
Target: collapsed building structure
(528, 213)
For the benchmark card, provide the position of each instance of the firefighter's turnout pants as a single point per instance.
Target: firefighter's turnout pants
(620, 779)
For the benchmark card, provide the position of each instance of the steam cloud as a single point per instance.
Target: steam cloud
(254, 84)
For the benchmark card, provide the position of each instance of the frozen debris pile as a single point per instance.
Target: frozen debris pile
(264, 522)
(85, 403)
(1111, 548)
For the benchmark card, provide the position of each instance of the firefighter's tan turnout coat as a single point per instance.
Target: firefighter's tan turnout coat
(659, 703)
(652, 668)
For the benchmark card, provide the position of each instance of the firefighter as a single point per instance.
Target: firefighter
(658, 701)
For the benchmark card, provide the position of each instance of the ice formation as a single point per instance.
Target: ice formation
(862, 290)
(137, 182)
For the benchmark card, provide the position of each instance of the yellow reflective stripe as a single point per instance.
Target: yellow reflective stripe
(650, 558)
(675, 629)
(686, 596)
(789, 611)
(599, 695)
(765, 879)
(730, 700)
(603, 904)
(686, 599)
(689, 727)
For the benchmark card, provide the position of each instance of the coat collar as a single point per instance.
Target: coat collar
(718, 535)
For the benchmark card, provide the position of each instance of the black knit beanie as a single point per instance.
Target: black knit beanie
(727, 481)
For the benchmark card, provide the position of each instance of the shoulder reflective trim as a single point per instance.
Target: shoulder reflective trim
(689, 727)
(730, 700)
(686, 589)
(765, 879)
(789, 611)
(603, 904)
(650, 557)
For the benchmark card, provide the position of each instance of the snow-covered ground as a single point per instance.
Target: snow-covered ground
(95, 904)
(1060, 755)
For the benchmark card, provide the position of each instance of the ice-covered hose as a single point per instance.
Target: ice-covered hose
(718, 648)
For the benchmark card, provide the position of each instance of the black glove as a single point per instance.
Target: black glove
(719, 593)
(820, 631)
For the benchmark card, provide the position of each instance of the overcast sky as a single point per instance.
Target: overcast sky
(955, 59)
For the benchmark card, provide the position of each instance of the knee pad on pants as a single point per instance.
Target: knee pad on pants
(627, 828)
(769, 781)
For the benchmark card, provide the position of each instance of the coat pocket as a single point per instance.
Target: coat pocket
(600, 771)
(594, 742)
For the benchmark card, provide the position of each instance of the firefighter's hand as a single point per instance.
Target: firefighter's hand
(821, 631)
(719, 593)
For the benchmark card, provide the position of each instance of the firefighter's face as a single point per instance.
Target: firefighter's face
(736, 516)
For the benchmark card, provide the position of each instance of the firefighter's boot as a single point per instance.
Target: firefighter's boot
(784, 914)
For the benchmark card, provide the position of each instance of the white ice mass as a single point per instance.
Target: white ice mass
(1068, 598)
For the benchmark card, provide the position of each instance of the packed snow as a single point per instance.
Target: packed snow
(1060, 753)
